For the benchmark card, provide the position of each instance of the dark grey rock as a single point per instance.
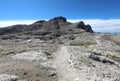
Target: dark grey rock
(57, 26)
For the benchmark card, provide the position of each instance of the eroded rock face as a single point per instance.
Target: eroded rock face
(84, 27)
(55, 24)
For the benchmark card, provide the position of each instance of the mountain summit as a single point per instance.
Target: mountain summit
(56, 24)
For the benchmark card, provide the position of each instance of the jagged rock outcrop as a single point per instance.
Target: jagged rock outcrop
(59, 19)
(53, 25)
(85, 27)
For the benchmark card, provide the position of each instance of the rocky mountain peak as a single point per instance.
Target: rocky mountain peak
(59, 19)
(56, 24)
(39, 22)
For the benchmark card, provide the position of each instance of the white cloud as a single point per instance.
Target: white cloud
(99, 25)
(14, 22)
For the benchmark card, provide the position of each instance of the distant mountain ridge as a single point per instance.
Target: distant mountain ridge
(46, 27)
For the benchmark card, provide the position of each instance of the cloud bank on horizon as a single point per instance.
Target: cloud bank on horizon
(14, 22)
(101, 25)
(98, 25)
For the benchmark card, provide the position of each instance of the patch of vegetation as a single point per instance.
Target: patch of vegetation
(52, 48)
(116, 42)
(117, 51)
(82, 43)
(107, 37)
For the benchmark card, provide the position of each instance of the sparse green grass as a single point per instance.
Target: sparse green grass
(82, 43)
(106, 37)
(116, 42)
(12, 50)
(117, 51)
(52, 48)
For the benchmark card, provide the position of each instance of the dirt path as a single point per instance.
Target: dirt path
(65, 71)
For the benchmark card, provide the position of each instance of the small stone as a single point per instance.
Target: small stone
(77, 79)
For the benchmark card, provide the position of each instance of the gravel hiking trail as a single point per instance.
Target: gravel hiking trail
(65, 71)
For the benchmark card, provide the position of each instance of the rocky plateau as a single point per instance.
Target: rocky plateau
(58, 50)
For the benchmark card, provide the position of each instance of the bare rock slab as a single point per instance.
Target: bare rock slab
(31, 56)
(6, 77)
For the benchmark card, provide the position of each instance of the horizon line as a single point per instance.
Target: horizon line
(97, 24)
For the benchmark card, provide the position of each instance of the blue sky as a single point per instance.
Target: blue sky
(21, 11)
